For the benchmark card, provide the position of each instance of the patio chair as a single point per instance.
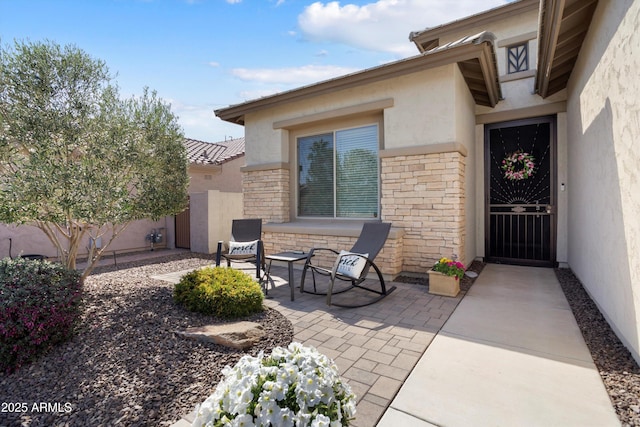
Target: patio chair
(352, 266)
(245, 245)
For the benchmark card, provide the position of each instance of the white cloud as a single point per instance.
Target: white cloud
(383, 25)
(294, 75)
(199, 122)
(214, 64)
(234, 1)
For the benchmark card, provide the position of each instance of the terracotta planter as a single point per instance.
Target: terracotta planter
(441, 284)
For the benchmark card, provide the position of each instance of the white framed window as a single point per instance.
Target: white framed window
(518, 58)
(338, 173)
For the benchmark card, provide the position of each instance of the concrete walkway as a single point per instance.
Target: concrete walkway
(511, 354)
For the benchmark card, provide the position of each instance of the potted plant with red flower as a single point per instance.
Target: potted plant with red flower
(444, 277)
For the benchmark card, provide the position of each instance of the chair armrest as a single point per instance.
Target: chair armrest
(312, 253)
(219, 253)
(313, 250)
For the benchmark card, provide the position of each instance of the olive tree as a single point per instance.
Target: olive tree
(76, 160)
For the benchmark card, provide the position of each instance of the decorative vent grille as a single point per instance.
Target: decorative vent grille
(518, 58)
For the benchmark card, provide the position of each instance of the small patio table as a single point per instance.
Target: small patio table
(289, 257)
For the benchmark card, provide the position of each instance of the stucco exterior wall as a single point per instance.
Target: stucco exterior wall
(422, 113)
(211, 214)
(465, 135)
(562, 211)
(604, 179)
(424, 109)
(27, 239)
(226, 177)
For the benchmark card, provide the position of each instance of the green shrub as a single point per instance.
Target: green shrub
(219, 291)
(40, 304)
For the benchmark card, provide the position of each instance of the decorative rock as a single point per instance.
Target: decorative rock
(239, 335)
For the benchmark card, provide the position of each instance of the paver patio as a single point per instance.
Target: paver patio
(375, 347)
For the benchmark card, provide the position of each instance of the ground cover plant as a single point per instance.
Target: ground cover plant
(219, 291)
(40, 305)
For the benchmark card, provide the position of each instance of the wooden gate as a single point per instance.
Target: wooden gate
(183, 230)
(520, 219)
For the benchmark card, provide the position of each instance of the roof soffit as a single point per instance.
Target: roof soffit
(563, 27)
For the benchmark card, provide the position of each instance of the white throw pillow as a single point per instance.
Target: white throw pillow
(351, 265)
(243, 248)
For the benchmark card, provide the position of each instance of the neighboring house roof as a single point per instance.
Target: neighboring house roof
(563, 27)
(475, 56)
(213, 153)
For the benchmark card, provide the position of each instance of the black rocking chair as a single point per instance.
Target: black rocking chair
(353, 266)
(245, 245)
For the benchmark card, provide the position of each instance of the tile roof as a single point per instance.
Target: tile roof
(213, 153)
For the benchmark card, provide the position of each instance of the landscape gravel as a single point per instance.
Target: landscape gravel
(126, 366)
(618, 369)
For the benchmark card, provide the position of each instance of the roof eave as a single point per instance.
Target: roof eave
(479, 49)
(563, 25)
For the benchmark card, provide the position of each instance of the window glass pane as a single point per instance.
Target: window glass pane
(357, 172)
(315, 175)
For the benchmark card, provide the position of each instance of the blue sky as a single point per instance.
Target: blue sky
(201, 55)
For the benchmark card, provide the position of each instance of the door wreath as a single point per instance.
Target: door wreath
(518, 166)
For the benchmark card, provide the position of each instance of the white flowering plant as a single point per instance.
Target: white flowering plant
(294, 386)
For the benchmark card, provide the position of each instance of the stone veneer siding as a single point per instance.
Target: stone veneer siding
(266, 194)
(424, 194)
(389, 260)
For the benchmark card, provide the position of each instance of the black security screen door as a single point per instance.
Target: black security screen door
(520, 205)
